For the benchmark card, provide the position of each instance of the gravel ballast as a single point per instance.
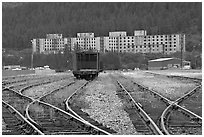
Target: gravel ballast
(170, 88)
(105, 107)
(38, 91)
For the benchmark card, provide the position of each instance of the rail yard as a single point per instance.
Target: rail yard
(114, 103)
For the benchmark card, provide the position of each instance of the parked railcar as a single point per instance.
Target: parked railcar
(86, 64)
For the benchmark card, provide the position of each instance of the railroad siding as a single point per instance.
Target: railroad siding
(170, 88)
(6, 73)
(106, 107)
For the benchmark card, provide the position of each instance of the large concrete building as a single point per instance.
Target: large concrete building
(142, 43)
(118, 41)
(53, 43)
(85, 41)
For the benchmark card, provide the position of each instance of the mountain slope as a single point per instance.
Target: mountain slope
(34, 20)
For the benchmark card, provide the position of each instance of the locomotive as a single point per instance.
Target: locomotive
(86, 64)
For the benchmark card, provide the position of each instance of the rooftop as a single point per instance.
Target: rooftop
(160, 59)
(164, 59)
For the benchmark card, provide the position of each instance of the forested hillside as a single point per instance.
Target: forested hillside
(23, 22)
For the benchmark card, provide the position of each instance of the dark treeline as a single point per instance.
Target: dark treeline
(22, 23)
(111, 61)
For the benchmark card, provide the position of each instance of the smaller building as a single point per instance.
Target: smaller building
(11, 67)
(140, 33)
(167, 63)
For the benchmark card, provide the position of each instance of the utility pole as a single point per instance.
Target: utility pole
(32, 60)
(181, 45)
(32, 55)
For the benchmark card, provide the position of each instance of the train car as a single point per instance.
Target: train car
(86, 64)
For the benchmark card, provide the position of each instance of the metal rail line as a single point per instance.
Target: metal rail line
(39, 98)
(68, 108)
(82, 121)
(150, 123)
(33, 129)
(91, 129)
(68, 99)
(173, 105)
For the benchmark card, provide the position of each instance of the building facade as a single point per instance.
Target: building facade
(85, 41)
(53, 43)
(118, 41)
(142, 43)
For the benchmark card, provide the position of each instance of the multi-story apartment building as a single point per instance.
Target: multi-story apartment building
(142, 43)
(85, 41)
(53, 43)
(119, 42)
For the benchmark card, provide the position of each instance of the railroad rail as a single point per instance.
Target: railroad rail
(197, 80)
(17, 123)
(64, 118)
(149, 122)
(99, 127)
(67, 104)
(15, 99)
(42, 83)
(4, 82)
(89, 128)
(34, 82)
(173, 105)
(166, 113)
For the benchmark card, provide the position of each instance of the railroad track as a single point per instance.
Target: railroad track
(13, 79)
(47, 125)
(15, 123)
(18, 101)
(76, 111)
(146, 119)
(174, 105)
(43, 83)
(171, 123)
(197, 80)
(165, 122)
(15, 99)
(17, 85)
(54, 120)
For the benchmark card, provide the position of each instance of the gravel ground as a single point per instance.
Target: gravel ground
(194, 103)
(177, 118)
(3, 125)
(57, 98)
(43, 89)
(170, 88)
(105, 106)
(42, 80)
(186, 73)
